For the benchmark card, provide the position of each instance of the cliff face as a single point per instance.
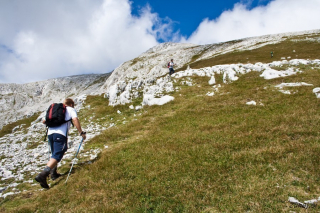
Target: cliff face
(20, 100)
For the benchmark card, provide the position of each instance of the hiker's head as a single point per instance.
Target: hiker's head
(69, 102)
(171, 59)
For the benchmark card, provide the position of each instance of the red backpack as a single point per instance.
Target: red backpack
(56, 115)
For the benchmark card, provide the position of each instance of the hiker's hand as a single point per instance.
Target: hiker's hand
(83, 134)
(84, 137)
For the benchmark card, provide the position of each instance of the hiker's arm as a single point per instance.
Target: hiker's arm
(76, 123)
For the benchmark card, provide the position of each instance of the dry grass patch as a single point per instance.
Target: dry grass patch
(287, 48)
(26, 122)
(203, 154)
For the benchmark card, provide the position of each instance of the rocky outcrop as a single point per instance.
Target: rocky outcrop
(21, 100)
(145, 69)
(21, 154)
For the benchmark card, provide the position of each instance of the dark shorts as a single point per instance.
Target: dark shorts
(171, 71)
(58, 145)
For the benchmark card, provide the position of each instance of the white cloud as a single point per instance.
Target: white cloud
(42, 39)
(47, 39)
(279, 16)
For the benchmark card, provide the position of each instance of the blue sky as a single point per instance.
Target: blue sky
(188, 14)
(54, 38)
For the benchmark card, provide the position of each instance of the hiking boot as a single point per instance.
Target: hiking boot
(42, 179)
(54, 174)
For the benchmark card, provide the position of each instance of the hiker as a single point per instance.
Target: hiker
(58, 137)
(271, 54)
(170, 66)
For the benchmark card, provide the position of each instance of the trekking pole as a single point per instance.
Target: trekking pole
(49, 149)
(74, 160)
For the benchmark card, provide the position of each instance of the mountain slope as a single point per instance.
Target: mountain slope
(234, 138)
(21, 100)
(146, 68)
(202, 153)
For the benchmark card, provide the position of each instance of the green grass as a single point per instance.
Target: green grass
(101, 80)
(199, 154)
(7, 129)
(105, 115)
(303, 50)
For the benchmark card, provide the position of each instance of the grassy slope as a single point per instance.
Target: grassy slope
(303, 49)
(199, 153)
(26, 122)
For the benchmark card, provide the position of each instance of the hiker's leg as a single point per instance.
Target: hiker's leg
(42, 177)
(52, 163)
(170, 71)
(59, 148)
(54, 174)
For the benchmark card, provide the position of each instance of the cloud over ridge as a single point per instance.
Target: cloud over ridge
(279, 16)
(48, 39)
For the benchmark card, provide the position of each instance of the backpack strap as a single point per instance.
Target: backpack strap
(45, 137)
(71, 122)
(50, 112)
(67, 127)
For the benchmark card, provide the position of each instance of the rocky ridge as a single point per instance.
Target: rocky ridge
(23, 100)
(145, 77)
(149, 66)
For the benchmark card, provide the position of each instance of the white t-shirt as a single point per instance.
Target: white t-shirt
(64, 128)
(171, 64)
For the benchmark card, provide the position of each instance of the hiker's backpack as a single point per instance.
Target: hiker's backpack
(168, 64)
(56, 115)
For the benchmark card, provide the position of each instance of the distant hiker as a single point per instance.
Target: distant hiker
(170, 66)
(58, 137)
(271, 54)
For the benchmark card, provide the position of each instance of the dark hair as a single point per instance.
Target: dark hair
(69, 102)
